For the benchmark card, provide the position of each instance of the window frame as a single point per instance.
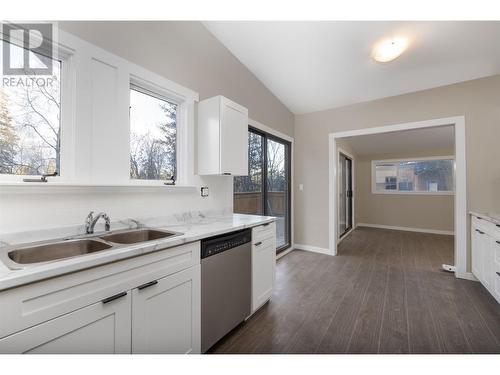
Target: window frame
(66, 120)
(374, 163)
(181, 148)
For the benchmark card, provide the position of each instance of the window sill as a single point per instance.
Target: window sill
(414, 192)
(66, 187)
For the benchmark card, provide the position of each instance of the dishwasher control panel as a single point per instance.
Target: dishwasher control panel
(219, 244)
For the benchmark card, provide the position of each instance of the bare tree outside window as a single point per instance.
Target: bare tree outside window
(252, 182)
(30, 131)
(153, 137)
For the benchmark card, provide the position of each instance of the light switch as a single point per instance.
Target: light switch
(301, 187)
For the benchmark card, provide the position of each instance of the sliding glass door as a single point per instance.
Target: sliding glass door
(266, 190)
(345, 194)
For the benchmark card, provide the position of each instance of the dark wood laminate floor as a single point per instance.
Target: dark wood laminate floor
(383, 293)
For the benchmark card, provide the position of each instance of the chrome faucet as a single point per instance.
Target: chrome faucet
(91, 221)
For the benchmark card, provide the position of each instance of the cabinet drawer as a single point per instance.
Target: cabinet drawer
(101, 328)
(264, 244)
(35, 303)
(486, 226)
(263, 231)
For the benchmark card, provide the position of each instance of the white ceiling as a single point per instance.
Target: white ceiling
(408, 141)
(312, 66)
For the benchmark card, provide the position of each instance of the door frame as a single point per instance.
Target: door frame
(353, 182)
(460, 201)
(259, 127)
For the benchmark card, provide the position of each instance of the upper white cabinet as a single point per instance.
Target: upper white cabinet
(222, 137)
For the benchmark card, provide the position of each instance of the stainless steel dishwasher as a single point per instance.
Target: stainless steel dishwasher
(226, 284)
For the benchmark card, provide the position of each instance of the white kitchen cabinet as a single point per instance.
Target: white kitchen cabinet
(95, 329)
(222, 137)
(166, 314)
(263, 264)
(485, 247)
(74, 313)
(478, 241)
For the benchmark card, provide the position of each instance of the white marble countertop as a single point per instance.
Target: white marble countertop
(193, 229)
(491, 217)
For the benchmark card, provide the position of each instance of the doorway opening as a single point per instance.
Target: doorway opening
(459, 205)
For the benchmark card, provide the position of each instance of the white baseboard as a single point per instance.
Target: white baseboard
(314, 249)
(408, 229)
(466, 276)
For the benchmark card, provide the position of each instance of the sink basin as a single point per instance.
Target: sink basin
(56, 251)
(137, 235)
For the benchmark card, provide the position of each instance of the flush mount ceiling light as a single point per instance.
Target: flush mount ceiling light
(389, 49)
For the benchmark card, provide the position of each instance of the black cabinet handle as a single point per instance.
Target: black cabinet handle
(112, 298)
(498, 242)
(258, 243)
(266, 224)
(478, 231)
(498, 273)
(227, 174)
(147, 285)
(498, 225)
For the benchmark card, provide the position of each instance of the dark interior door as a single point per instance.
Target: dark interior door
(345, 194)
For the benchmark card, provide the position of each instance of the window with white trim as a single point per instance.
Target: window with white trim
(153, 135)
(31, 130)
(434, 175)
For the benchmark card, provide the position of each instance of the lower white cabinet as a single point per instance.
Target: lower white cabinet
(485, 248)
(95, 329)
(263, 264)
(166, 314)
(147, 304)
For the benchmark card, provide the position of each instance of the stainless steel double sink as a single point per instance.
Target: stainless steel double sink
(27, 255)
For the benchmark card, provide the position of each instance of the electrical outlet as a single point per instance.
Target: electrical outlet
(204, 191)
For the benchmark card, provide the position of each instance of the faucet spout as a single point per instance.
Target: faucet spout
(91, 221)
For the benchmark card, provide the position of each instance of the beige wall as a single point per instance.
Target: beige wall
(433, 212)
(478, 100)
(188, 54)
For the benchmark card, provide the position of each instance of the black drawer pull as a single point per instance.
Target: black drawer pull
(112, 298)
(266, 224)
(478, 231)
(498, 242)
(498, 225)
(258, 243)
(147, 285)
(498, 273)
